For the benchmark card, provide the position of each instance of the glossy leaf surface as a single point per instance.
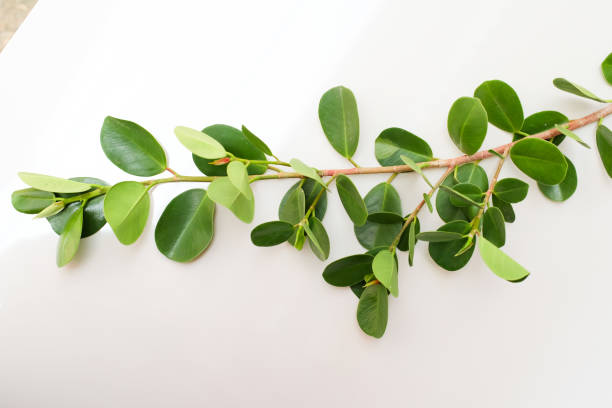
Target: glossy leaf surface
(467, 173)
(467, 124)
(31, 200)
(351, 200)
(255, 141)
(502, 104)
(384, 267)
(567, 86)
(511, 190)
(340, 120)
(505, 208)
(318, 238)
(349, 270)
(126, 208)
(606, 68)
(566, 132)
(500, 263)
(565, 189)
(443, 253)
(238, 176)
(199, 143)
(68, 244)
(223, 192)
(373, 310)
(271, 233)
(539, 160)
(395, 142)
(541, 121)
(383, 197)
(493, 226)
(465, 194)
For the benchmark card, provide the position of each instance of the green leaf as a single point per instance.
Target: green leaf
(318, 239)
(293, 206)
(52, 184)
(68, 244)
(373, 310)
(33, 201)
(467, 124)
(427, 200)
(467, 173)
(297, 239)
(358, 288)
(502, 104)
(383, 197)
(439, 236)
(186, 226)
(567, 86)
(306, 171)
(238, 176)
(235, 142)
(93, 213)
(255, 141)
(604, 146)
(565, 189)
(416, 168)
(126, 208)
(493, 226)
(271, 233)
(404, 244)
(511, 190)
(340, 120)
(51, 210)
(500, 263)
(606, 68)
(385, 217)
(392, 143)
(349, 270)
(131, 147)
(351, 200)
(505, 208)
(199, 143)
(385, 270)
(311, 190)
(541, 121)
(471, 173)
(223, 192)
(540, 160)
(443, 253)
(464, 194)
(411, 241)
(566, 132)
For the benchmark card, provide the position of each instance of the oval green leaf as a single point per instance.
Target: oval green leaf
(238, 176)
(493, 226)
(511, 190)
(186, 226)
(604, 146)
(311, 190)
(126, 208)
(395, 142)
(384, 267)
(383, 197)
(373, 310)
(502, 104)
(199, 143)
(565, 189)
(500, 263)
(351, 200)
(306, 171)
(464, 194)
(52, 184)
(255, 141)
(31, 200)
(223, 192)
(404, 242)
(540, 160)
(68, 244)
(467, 124)
(131, 147)
(349, 270)
(541, 121)
(443, 253)
(505, 208)
(606, 68)
(467, 173)
(567, 86)
(318, 238)
(271, 233)
(340, 120)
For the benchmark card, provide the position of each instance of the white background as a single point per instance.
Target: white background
(246, 326)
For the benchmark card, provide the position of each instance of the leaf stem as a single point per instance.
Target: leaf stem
(350, 159)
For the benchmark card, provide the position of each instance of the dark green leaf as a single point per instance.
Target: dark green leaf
(604, 146)
(606, 68)
(565, 189)
(271, 233)
(500, 263)
(293, 206)
(223, 192)
(131, 147)
(383, 197)
(340, 120)
(311, 189)
(404, 242)
(351, 200)
(318, 238)
(385, 217)
(395, 142)
(539, 160)
(493, 227)
(567, 86)
(412, 241)
(358, 288)
(68, 244)
(467, 124)
(439, 236)
(186, 226)
(31, 200)
(464, 194)
(443, 253)
(511, 190)
(502, 104)
(467, 173)
(349, 270)
(566, 132)
(52, 184)
(373, 310)
(235, 142)
(541, 121)
(384, 267)
(505, 208)
(255, 141)
(126, 208)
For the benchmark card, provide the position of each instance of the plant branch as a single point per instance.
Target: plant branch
(476, 221)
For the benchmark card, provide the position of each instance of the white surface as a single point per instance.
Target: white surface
(246, 326)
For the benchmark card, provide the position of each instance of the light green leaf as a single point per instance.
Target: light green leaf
(500, 263)
(604, 146)
(351, 200)
(416, 168)
(428, 201)
(257, 142)
(126, 208)
(373, 310)
(31, 200)
(199, 143)
(511, 190)
(186, 227)
(131, 147)
(493, 226)
(385, 270)
(467, 124)
(395, 142)
(567, 86)
(565, 131)
(318, 238)
(539, 160)
(306, 171)
(51, 210)
(223, 192)
(237, 174)
(502, 104)
(340, 120)
(271, 233)
(52, 184)
(68, 244)
(606, 68)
